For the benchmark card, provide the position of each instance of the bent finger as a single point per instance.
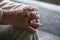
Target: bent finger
(34, 15)
(31, 8)
(31, 29)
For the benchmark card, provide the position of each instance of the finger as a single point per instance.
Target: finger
(35, 8)
(31, 8)
(35, 24)
(31, 29)
(37, 20)
(37, 16)
(34, 15)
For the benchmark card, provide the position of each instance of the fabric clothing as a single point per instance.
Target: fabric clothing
(13, 33)
(1, 14)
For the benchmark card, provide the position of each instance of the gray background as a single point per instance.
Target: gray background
(52, 1)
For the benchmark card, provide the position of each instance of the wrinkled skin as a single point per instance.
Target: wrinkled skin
(25, 17)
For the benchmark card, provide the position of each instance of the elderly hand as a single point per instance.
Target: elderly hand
(25, 17)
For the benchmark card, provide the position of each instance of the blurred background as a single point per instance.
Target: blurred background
(57, 2)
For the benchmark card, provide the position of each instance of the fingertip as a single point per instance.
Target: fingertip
(31, 29)
(40, 24)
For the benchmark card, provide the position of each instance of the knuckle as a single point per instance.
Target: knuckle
(32, 7)
(35, 8)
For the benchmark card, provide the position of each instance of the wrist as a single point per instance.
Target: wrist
(6, 17)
